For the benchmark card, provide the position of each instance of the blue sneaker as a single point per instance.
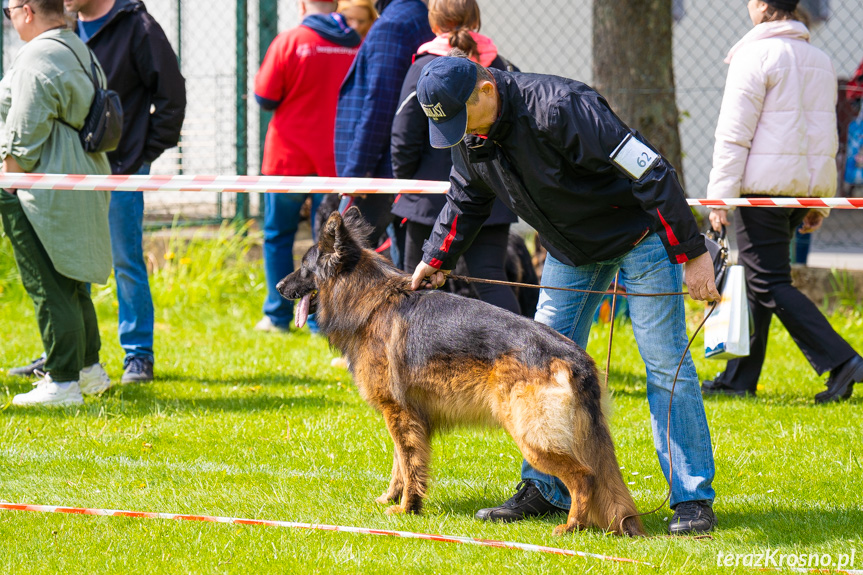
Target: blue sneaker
(138, 370)
(30, 369)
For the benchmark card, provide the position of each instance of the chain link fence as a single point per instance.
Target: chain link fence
(223, 127)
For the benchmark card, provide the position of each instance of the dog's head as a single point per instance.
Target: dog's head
(339, 248)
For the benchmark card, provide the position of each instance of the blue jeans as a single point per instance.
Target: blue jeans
(660, 332)
(281, 219)
(801, 245)
(126, 220)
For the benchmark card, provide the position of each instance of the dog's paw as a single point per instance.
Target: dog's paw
(565, 528)
(395, 510)
(385, 498)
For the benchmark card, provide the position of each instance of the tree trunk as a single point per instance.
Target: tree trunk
(632, 68)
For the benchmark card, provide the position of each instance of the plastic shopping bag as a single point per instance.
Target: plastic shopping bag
(726, 333)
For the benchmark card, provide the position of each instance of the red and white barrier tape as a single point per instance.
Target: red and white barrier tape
(318, 527)
(316, 185)
(281, 184)
(835, 203)
(366, 531)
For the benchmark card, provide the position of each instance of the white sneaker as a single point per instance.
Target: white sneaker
(266, 324)
(47, 392)
(93, 380)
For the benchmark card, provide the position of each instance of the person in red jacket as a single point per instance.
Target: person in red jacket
(299, 81)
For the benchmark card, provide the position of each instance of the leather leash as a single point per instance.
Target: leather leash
(468, 279)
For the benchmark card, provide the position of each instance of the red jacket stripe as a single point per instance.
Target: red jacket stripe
(672, 239)
(450, 236)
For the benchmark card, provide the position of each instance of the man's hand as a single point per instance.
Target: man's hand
(700, 279)
(811, 222)
(718, 218)
(436, 277)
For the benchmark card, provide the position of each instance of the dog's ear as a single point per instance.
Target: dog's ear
(337, 245)
(359, 228)
(347, 246)
(327, 236)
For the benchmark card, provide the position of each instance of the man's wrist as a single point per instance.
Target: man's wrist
(432, 262)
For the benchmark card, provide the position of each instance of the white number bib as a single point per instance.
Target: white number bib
(633, 157)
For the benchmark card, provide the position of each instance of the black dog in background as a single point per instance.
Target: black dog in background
(519, 265)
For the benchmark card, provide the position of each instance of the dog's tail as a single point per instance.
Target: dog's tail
(612, 506)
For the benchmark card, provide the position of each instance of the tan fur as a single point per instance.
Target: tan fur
(540, 407)
(537, 407)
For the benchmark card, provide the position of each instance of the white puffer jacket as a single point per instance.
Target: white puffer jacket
(776, 133)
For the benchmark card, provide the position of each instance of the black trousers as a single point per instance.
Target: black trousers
(485, 258)
(764, 239)
(64, 310)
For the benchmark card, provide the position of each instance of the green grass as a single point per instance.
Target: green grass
(257, 425)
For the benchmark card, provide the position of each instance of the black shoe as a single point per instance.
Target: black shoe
(713, 387)
(30, 369)
(840, 384)
(527, 502)
(692, 517)
(138, 370)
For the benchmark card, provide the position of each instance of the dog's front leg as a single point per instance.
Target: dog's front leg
(394, 491)
(411, 434)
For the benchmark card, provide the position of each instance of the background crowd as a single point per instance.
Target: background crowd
(346, 91)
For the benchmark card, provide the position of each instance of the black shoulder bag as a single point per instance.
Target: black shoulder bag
(103, 125)
(717, 247)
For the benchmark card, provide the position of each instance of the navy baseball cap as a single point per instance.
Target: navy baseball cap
(443, 89)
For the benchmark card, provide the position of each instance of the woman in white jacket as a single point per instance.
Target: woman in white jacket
(777, 136)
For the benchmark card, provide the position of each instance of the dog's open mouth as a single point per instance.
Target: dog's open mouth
(308, 304)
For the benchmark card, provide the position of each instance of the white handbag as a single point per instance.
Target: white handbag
(726, 333)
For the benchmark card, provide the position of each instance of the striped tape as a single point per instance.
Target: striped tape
(317, 185)
(240, 184)
(317, 527)
(836, 203)
(367, 531)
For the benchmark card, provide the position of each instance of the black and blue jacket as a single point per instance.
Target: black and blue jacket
(415, 159)
(548, 158)
(142, 68)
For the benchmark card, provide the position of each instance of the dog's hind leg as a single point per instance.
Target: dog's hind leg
(578, 478)
(394, 491)
(580, 482)
(411, 434)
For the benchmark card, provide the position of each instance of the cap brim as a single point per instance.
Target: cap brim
(450, 133)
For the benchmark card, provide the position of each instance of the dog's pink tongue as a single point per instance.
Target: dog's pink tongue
(303, 311)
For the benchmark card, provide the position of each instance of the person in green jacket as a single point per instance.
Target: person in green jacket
(60, 238)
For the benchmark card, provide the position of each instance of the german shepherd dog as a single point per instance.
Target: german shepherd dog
(428, 360)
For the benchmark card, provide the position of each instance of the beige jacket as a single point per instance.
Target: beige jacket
(46, 83)
(776, 133)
